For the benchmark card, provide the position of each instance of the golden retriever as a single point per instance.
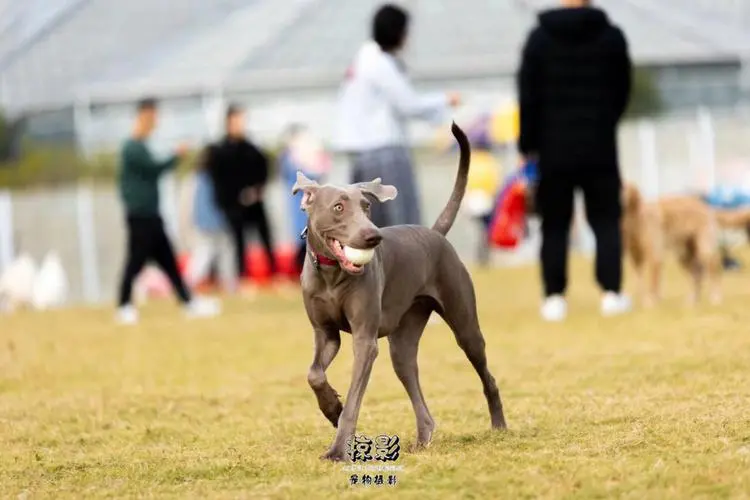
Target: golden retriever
(683, 224)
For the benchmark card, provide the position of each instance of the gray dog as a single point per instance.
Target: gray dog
(385, 282)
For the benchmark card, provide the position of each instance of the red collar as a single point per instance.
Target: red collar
(318, 259)
(322, 260)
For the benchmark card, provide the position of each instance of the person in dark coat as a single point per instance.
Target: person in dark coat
(239, 171)
(574, 86)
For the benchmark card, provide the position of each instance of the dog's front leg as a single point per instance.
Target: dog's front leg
(365, 352)
(327, 343)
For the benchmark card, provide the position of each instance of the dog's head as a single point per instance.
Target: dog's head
(339, 224)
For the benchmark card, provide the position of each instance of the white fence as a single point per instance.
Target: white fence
(84, 223)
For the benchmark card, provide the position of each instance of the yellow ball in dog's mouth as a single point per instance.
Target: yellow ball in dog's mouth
(358, 256)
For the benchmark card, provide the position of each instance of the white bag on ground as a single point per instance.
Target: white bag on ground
(17, 283)
(51, 284)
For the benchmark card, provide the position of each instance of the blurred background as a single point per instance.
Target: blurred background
(71, 70)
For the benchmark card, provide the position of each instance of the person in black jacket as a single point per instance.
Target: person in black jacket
(574, 86)
(239, 171)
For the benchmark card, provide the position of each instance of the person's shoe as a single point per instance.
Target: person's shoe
(127, 315)
(202, 307)
(554, 308)
(614, 304)
(731, 264)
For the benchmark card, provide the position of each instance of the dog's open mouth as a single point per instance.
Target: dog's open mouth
(352, 260)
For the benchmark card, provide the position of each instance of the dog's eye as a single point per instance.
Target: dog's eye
(338, 207)
(365, 206)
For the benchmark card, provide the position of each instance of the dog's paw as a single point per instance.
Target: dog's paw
(335, 455)
(424, 436)
(498, 422)
(420, 445)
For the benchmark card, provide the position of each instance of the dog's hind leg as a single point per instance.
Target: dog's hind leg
(404, 344)
(653, 283)
(697, 273)
(460, 312)
(710, 263)
(327, 343)
(713, 273)
(690, 261)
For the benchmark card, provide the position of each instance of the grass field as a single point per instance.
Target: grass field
(655, 405)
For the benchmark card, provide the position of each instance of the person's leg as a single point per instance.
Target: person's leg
(201, 258)
(399, 171)
(554, 200)
(264, 229)
(601, 193)
(226, 262)
(165, 258)
(728, 262)
(138, 251)
(237, 231)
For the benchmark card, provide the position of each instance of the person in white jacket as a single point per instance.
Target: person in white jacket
(374, 104)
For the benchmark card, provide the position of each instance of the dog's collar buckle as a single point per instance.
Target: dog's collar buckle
(317, 260)
(321, 260)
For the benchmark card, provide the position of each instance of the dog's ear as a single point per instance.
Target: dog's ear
(307, 186)
(303, 183)
(382, 192)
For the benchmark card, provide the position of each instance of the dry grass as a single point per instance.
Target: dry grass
(655, 405)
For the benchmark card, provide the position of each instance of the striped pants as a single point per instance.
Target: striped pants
(394, 166)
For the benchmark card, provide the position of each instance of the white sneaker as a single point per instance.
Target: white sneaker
(614, 304)
(202, 307)
(127, 315)
(554, 308)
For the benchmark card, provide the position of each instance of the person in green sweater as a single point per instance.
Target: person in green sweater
(147, 240)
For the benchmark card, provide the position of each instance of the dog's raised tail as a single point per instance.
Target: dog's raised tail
(448, 216)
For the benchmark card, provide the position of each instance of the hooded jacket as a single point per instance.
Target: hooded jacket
(574, 86)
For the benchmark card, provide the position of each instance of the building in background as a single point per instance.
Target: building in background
(75, 66)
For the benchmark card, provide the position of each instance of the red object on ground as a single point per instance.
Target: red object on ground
(154, 282)
(183, 262)
(257, 265)
(508, 225)
(259, 268)
(285, 260)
